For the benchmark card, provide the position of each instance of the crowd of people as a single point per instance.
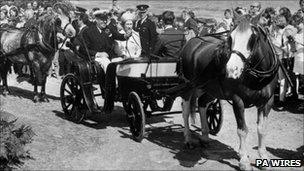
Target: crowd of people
(117, 33)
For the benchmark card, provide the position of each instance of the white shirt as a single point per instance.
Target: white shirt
(168, 26)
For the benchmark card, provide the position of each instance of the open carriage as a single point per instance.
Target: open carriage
(139, 83)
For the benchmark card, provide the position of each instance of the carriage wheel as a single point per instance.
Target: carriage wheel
(136, 116)
(72, 100)
(214, 117)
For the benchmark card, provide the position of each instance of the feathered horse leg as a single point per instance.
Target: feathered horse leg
(43, 96)
(4, 70)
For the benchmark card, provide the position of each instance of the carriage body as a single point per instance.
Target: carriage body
(139, 83)
(148, 78)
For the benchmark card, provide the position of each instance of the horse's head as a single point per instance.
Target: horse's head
(51, 25)
(241, 41)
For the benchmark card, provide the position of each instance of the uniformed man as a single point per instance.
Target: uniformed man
(171, 40)
(146, 29)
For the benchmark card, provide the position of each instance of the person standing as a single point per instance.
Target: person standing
(301, 10)
(13, 17)
(254, 12)
(146, 29)
(190, 25)
(115, 7)
(298, 52)
(3, 16)
(278, 36)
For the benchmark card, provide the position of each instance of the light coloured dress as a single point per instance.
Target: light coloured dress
(130, 48)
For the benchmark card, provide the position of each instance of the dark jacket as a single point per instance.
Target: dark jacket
(113, 28)
(191, 24)
(169, 43)
(78, 41)
(148, 35)
(100, 42)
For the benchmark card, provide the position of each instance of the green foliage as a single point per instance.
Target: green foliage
(12, 143)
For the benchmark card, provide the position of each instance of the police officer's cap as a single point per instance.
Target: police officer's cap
(102, 15)
(142, 8)
(80, 10)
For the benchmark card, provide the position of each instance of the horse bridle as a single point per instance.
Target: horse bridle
(55, 29)
(252, 70)
(245, 60)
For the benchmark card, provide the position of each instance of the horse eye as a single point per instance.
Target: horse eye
(58, 22)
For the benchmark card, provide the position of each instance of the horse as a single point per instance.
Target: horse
(241, 68)
(34, 46)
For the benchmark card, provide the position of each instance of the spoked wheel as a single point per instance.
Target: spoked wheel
(136, 116)
(72, 100)
(214, 117)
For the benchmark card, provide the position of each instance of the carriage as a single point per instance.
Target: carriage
(140, 84)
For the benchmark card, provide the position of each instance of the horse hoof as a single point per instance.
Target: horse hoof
(204, 141)
(5, 93)
(44, 99)
(36, 99)
(245, 164)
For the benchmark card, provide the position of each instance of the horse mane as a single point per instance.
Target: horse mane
(46, 24)
(243, 23)
(221, 55)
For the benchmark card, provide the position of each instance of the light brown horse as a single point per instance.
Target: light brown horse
(34, 46)
(242, 69)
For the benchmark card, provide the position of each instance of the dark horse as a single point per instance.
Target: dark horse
(34, 46)
(242, 68)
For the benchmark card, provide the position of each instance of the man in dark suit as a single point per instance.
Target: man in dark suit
(99, 39)
(146, 29)
(190, 23)
(171, 41)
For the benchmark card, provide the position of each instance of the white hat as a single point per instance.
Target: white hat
(99, 12)
(127, 16)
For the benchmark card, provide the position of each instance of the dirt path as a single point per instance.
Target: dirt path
(61, 144)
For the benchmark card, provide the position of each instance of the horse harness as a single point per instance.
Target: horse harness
(250, 70)
(24, 49)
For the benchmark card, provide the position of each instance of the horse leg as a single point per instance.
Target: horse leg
(43, 96)
(263, 113)
(203, 103)
(36, 95)
(6, 90)
(186, 106)
(4, 73)
(242, 131)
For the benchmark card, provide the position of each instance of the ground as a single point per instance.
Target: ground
(107, 144)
